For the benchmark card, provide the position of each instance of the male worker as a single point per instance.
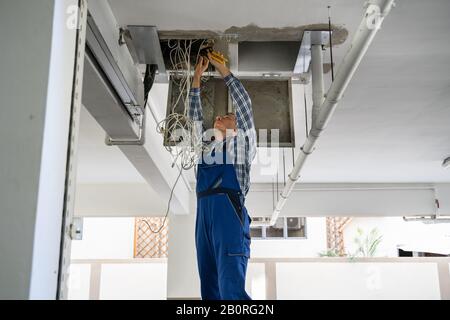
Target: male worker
(222, 233)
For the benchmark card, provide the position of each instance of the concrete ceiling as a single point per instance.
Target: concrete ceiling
(391, 126)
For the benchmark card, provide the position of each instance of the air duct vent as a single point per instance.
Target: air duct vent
(266, 69)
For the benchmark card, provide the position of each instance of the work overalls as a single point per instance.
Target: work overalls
(222, 231)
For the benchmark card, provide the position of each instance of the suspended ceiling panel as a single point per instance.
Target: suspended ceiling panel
(268, 56)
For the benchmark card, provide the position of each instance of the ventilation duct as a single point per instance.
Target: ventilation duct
(112, 90)
(266, 68)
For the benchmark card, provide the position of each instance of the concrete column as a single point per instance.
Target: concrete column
(36, 76)
(182, 275)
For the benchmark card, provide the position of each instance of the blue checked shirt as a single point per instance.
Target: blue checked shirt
(241, 147)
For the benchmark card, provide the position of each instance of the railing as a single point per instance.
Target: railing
(277, 278)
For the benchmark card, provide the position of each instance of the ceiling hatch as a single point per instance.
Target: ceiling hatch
(266, 69)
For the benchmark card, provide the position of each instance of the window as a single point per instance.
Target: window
(148, 244)
(284, 228)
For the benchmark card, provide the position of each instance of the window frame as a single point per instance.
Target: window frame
(285, 231)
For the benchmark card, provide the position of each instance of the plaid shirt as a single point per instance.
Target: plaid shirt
(242, 147)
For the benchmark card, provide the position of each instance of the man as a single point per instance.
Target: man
(222, 232)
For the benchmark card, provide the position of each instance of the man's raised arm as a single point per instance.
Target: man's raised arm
(195, 112)
(243, 105)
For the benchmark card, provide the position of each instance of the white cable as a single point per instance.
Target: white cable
(177, 125)
(187, 151)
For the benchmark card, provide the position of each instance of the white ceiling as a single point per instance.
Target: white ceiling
(107, 183)
(391, 126)
(97, 162)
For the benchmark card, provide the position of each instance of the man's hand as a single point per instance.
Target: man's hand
(201, 67)
(221, 68)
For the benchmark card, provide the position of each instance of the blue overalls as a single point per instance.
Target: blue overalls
(222, 230)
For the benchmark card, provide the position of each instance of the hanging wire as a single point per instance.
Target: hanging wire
(284, 169)
(331, 44)
(168, 206)
(185, 144)
(187, 150)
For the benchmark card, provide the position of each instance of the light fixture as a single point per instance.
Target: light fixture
(446, 163)
(271, 75)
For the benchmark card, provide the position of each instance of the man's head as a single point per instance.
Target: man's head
(226, 124)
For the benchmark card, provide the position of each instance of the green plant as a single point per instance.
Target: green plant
(329, 253)
(367, 244)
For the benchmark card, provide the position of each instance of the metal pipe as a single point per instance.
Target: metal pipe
(361, 41)
(317, 80)
(428, 219)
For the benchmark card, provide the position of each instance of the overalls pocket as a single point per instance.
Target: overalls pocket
(243, 248)
(237, 207)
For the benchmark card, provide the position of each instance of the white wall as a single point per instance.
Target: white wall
(315, 242)
(326, 200)
(109, 242)
(79, 282)
(382, 280)
(118, 199)
(133, 281)
(36, 75)
(105, 238)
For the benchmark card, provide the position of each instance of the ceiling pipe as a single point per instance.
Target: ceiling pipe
(428, 219)
(317, 80)
(374, 15)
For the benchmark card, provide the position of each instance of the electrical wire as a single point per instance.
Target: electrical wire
(284, 169)
(177, 127)
(185, 144)
(168, 206)
(331, 44)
